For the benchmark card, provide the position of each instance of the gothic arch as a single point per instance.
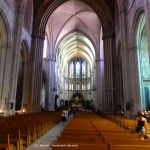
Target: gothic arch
(21, 76)
(28, 15)
(134, 26)
(80, 33)
(5, 42)
(6, 27)
(99, 7)
(75, 31)
(140, 46)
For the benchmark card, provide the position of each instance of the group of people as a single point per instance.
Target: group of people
(141, 125)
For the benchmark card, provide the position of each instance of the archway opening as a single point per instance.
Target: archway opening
(73, 38)
(20, 81)
(143, 62)
(3, 58)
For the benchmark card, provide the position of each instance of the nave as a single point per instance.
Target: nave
(87, 130)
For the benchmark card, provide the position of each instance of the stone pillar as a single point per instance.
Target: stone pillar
(16, 51)
(5, 76)
(52, 84)
(108, 72)
(98, 85)
(2, 68)
(124, 54)
(135, 93)
(37, 53)
(26, 101)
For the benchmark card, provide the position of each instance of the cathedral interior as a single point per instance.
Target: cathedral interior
(83, 54)
(74, 74)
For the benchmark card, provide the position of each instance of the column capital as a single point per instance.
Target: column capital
(5, 46)
(108, 35)
(37, 35)
(132, 48)
(99, 59)
(122, 11)
(53, 59)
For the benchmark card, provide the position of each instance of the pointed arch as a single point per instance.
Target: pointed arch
(28, 17)
(5, 42)
(22, 80)
(100, 8)
(140, 44)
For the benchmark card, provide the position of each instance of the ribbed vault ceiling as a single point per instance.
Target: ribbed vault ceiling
(73, 30)
(75, 45)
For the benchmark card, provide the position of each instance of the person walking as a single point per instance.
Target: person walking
(141, 125)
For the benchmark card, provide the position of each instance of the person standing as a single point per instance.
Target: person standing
(64, 117)
(141, 125)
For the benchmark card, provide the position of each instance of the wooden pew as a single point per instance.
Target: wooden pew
(94, 140)
(123, 131)
(5, 142)
(79, 132)
(16, 139)
(60, 146)
(128, 147)
(31, 126)
(107, 137)
(119, 141)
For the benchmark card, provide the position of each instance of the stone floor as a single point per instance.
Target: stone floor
(44, 142)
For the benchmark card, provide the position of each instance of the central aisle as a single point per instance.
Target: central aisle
(44, 142)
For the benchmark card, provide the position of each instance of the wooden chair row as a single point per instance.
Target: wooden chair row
(106, 138)
(16, 133)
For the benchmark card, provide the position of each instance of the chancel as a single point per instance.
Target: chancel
(87, 58)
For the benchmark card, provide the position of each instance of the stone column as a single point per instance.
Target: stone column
(52, 84)
(5, 75)
(135, 94)
(37, 54)
(3, 49)
(124, 54)
(98, 85)
(108, 72)
(16, 51)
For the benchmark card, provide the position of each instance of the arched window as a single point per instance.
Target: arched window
(88, 71)
(88, 86)
(79, 77)
(66, 71)
(66, 86)
(71, 69)
(83, 87)
(78, 69)
(84, 69)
